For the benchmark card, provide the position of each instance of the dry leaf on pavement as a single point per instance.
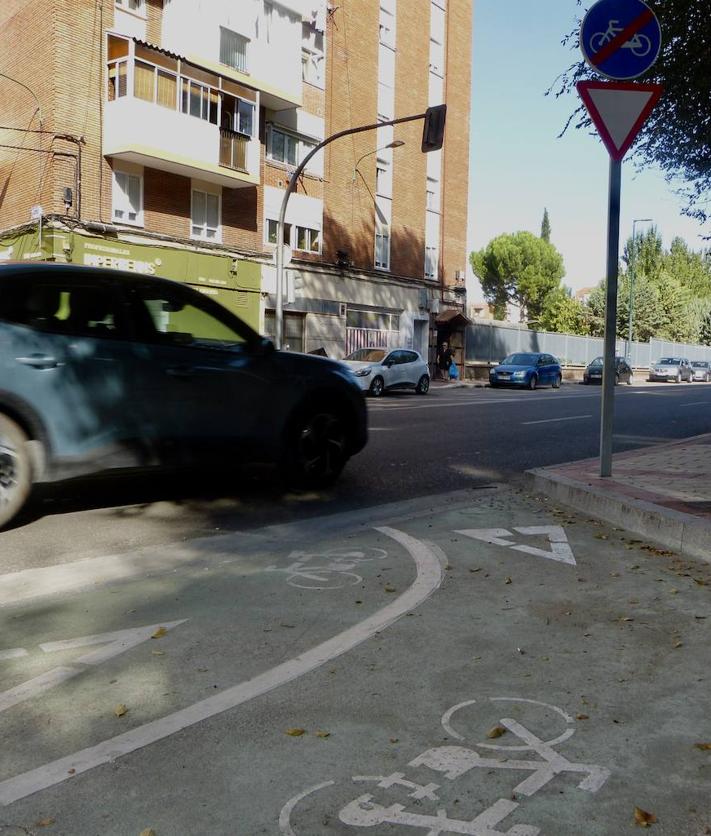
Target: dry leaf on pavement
(582, 717)
(705, 747)
(148, 832)
(497, 731)
(159, 633)
(120, 710)
(389, 588)
(643, 818)
(323, 734)
(508, 580)
(295, 732)
(45, 822)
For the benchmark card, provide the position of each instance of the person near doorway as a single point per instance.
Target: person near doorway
(444, 360)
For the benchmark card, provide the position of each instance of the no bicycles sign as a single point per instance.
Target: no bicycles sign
(620, 39)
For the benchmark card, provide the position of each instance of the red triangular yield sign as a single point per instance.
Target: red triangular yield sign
(619, 109)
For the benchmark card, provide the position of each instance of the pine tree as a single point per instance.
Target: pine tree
(546, 227)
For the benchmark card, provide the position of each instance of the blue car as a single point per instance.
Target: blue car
(528, 370)
(102, 370)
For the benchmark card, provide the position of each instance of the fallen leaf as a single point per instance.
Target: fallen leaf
(705, 747)
(699, 582)
(323, 734)
(71, 772)
(642, 818)
(148, 832)
(581, 717)
(627, 619)
(120, 710)
(159, 633)
(45, 822)
(157, 653)
(497, 731)
(394, 739)
(295, 732)
(478, 569)
(508, 580)
(601, 536)
(678, 644)
(389, 588)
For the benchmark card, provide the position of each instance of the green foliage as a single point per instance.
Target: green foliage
(563, 314)
(546, 226)
(518, 268)
(705, 330)
(677, 135)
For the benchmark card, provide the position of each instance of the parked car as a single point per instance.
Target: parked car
(380, 369)
(527, 369)
(701, 370)
(101, 369)
(593, 371)
(675, 369)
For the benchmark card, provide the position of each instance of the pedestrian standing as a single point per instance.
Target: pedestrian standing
(444, 360)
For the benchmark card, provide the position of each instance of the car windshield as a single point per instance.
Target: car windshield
(597, 362)
(669, 361)
(520, 360)
(698, 364)
(367, 355)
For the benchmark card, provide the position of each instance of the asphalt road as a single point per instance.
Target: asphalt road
(453, 439)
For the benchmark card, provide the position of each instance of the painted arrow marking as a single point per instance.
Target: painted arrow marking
(560, 547)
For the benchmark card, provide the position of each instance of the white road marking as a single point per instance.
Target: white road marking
(429, 577)
(560, 547)
(484, 402)
(553, 420)
(696, 403)
(116, 643)
(288, 808)
(15, 653)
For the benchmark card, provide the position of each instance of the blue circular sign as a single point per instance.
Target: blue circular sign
(621, 39)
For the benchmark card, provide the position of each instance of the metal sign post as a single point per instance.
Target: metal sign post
(620, 40)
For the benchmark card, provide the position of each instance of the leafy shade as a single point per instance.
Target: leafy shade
(521, 269)
(677, 135)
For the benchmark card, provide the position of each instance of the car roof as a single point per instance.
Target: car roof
(9, 269)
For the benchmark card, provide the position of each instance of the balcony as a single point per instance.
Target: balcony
(234, 150)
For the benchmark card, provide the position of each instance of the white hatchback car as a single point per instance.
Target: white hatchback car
(378, 369)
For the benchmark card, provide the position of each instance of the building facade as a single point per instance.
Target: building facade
(159, 136)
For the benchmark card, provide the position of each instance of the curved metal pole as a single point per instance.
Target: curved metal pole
(291, 188)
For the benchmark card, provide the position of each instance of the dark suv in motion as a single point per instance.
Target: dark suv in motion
(102, 370)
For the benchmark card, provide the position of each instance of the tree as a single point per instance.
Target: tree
(705, 330)
(677, 135)
(546, 226)
(562, 314)
(518, 268)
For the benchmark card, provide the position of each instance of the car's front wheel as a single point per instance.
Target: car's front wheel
(377, 387)
(316, 448)
(423, 385)
(533, 382)
(15, 470)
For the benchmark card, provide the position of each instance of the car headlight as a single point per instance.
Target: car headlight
(363, 372)
(519, 375)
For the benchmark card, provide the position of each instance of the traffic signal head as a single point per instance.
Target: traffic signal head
(433, 131)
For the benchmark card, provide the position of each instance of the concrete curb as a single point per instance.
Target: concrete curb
(683, 533)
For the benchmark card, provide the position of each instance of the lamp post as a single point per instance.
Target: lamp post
(633, 255)
(396, 143)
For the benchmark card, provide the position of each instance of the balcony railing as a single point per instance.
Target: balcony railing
(233, 149)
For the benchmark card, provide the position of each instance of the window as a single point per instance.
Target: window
(132, 5)
(382, 247)
(431, 262)
(199, 100)
(176, 318)
(293, 330)
(271, 230)
(286, 148)
(244, 118)
(373, 320)
(205, 216)
(308, 240)
(233, 49)
(127, 198)
(118, 79)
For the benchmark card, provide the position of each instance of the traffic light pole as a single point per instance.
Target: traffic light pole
(291, 188)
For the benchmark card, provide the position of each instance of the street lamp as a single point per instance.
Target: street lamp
(633, 254)
(396, 143)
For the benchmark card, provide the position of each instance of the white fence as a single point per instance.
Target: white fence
(370, 338)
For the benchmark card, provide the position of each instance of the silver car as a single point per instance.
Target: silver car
(675, 369)
(379, 369)
(701, 370)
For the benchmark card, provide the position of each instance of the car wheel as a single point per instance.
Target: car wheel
(15, 470)
(557, 382)
(533, 382)
(377, 387)
(423, 385)
(317, 445)
(629, 380)
(678, 378)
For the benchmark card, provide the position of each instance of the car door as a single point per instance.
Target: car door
(543, 369)
(411, 368)
(68, 356)
(391, 369)
(204, 383)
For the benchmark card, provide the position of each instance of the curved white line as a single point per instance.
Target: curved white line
(429, 577)
(447, 716)
(288, 808)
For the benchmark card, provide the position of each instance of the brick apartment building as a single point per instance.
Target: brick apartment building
(158, 136)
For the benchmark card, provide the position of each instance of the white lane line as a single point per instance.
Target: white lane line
(36, 686)
(554, 420)
(429, 577)
(696, 403)
(15, 653)
(449, 404)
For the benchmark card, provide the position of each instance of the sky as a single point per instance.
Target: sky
(517, 164)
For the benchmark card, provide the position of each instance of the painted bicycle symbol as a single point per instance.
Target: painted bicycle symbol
(327, 570)
(639, 45)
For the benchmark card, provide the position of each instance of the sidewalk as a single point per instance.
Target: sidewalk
(662, 492)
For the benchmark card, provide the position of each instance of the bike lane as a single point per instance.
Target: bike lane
(553, 681)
